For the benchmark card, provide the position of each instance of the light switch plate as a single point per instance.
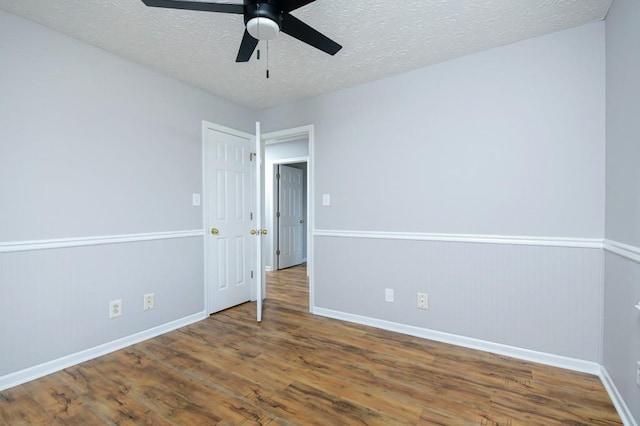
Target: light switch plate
(326, 199)
(388, 295)
(195, 199)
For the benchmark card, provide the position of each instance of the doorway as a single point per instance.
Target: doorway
(287, 147)
(290, 153)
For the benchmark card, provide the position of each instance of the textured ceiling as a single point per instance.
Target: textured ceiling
(379, 38)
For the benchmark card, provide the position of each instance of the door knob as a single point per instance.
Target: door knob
(215, 231)
(254, 232)
(264, 232)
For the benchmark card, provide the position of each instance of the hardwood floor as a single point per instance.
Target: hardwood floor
(295, 368)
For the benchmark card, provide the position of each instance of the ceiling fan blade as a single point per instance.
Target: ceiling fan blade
(196, 5)
(289, 5)
(303, 32)
(247, 47)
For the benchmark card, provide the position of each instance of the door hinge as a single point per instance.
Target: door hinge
(278, 252)
(251, 274)
(251, 216)
(278, 176)
(252, 156)
(278, 214)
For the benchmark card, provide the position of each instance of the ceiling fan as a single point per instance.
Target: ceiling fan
(263, 19)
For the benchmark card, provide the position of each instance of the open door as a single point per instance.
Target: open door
(228, 180)
(233, 213)
(260, 231)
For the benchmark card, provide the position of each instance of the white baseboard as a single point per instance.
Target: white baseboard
(35, 372)
(467, 342)
(616, 398)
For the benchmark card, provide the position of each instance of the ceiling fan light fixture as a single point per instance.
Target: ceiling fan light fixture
(262, 28)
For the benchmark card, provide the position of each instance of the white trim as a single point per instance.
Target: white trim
(624, 250)
(38, 371)
(595, 243)
(17, 246)
(467, 342)
(292, 160)
(616, 398)
(287, 135)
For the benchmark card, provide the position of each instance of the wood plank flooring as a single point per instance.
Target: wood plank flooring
(295, 368)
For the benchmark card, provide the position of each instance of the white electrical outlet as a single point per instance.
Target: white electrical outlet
(115, 308)
(147, 302)
(423, 301)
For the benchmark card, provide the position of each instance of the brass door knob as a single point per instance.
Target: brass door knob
(254, 232)
(215, 231)
(264, 232)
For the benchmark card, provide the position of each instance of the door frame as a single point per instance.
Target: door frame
(288, 135)
(274, 220)
(205, 202)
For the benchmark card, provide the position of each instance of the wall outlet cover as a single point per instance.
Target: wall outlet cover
(423, 301)
(147, 302)
(115, 308)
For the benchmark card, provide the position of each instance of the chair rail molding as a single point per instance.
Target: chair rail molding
(17, 246)
(622, 249)
(595, 243)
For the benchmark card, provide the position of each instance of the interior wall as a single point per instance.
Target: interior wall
(95, 149)
(622, 267)
(507, 142)
(273, 154)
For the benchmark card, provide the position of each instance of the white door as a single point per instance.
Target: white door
(289, 215)
(229, 189)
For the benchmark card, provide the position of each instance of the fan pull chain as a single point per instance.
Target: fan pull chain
(258, 55)
(267, 58)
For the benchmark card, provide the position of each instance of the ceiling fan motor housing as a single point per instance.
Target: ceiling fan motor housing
(263, 19)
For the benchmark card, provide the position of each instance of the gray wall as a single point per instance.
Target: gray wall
(504, 142)
(93, 145)
(622, 275)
